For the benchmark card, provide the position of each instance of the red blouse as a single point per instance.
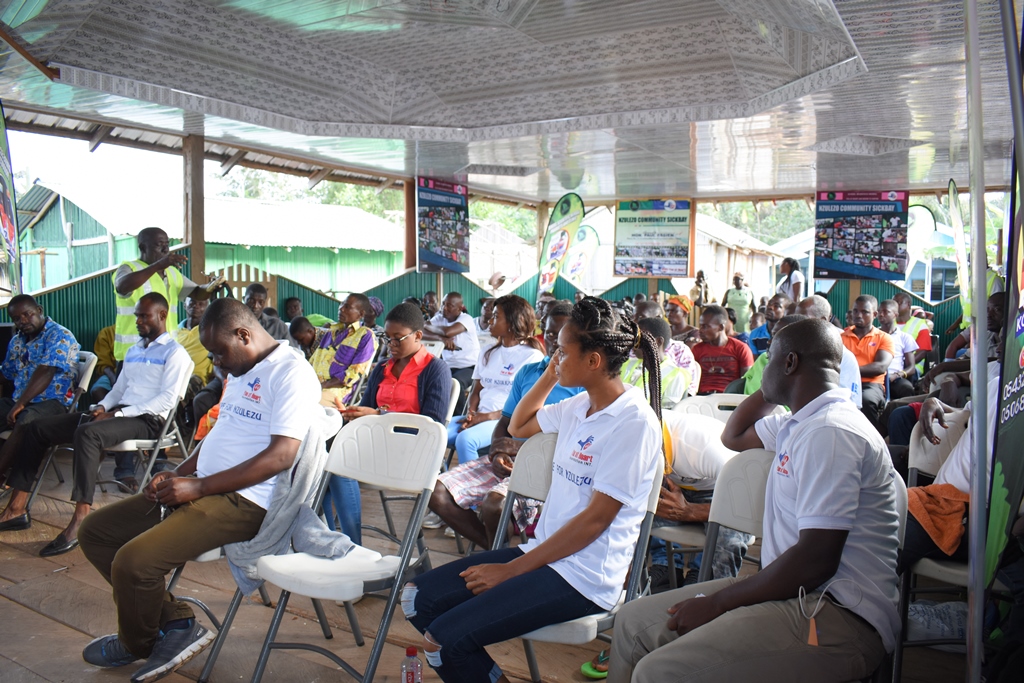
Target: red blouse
(401, 394)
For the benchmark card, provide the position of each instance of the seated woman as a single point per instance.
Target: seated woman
(410, 381)
(512, 325)
(677, 308)
(606, 458)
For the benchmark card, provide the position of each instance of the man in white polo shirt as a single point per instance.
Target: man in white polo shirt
(824, 606)
(217, 496)
(457, 330)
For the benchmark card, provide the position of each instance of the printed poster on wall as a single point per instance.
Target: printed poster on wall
(652, 238)
(442, 226)
(861, 235)
(567, 243)
(1007, 476)
(10, 264)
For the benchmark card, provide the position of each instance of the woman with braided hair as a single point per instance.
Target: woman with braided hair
(607, 455)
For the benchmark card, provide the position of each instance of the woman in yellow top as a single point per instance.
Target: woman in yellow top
(345, 353)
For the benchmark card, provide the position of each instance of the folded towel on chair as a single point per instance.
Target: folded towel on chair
(940, 509)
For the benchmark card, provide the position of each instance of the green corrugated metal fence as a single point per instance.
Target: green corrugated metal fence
(313, 301)
(633, 286)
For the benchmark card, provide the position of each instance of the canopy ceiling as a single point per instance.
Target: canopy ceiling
(533, 98)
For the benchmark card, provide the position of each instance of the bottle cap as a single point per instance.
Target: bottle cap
(411, 651)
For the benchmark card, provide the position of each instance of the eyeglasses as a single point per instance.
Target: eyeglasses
(395, 341)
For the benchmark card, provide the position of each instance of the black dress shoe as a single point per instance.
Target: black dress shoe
(22, 521)
(59, 546)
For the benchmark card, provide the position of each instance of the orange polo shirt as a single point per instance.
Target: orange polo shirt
(866, 348)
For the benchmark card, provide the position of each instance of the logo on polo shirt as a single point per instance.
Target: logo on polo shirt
(251, 394)
(783, 466)
(509, 369)
(581, 457)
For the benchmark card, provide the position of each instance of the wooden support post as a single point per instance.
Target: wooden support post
(193, 149)
(543, 210)
(854, 293)
(690, 266)
(410, 223)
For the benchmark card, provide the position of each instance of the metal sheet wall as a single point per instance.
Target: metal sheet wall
(633, 286)
(945, 312)
(313, 301)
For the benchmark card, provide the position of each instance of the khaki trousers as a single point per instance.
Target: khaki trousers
(765, 642)
(134, 551)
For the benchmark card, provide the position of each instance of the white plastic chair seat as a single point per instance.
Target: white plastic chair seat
(6, 434)
(577, 631)
(685, 535)
(325, 579)
(210, 555)
(143, 444)
(947, 571)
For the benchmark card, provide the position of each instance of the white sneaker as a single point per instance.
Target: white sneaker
(449, 532)
(432, 520)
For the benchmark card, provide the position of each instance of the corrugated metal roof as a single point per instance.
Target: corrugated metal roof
(34, 199)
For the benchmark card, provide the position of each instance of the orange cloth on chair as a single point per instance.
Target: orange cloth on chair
(940, 510)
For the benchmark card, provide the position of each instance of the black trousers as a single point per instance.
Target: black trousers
(90, 440)
(463, 376)
(873, 402)
(918, 545)
(33, 411)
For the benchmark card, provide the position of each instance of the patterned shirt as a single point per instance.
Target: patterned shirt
(53, 347)
(345, 354)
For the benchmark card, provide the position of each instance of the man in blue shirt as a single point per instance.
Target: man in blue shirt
(42, 363)
(484, 482)
(761, 336)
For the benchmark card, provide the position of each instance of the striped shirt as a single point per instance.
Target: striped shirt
(151, 377)
(345, 354)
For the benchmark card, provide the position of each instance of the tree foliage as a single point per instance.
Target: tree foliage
(767, 221)
(520, 222)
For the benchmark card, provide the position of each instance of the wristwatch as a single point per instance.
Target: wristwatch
(118, 413)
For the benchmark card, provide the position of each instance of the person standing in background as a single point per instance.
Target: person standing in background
(740, 298)
(792, 285)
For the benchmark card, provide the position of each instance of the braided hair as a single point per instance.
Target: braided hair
(598, 328)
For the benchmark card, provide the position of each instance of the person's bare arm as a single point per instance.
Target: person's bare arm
(808, 564)
(444, 331)
(954, 346)
(739, 433)
(274, 459)
(908, 362)
(879, 366)
(675, 508)
(797, 288)
(524, 422)
(946, 366)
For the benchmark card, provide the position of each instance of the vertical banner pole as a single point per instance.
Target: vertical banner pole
(979, 354)
(1012, 50)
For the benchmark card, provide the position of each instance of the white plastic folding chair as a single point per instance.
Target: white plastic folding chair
(397, 451)
(167, 437)
(434, 347)
(86, 366)
(718, 406)
(531, 478)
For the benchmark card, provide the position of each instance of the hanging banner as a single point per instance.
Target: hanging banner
(861, 235)
(10, 263)
(652, 238)
(563, 234)
(1007, 476)
(442, 226)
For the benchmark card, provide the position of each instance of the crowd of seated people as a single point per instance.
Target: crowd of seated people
(598, 374)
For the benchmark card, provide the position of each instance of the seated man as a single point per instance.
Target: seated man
(42, 363)
(830, 530)
(935, 523)
(268, 409)
(752, 380)
(722, 359)
(874, 351)
(483, 482)
(105, 372)
(675, 381)
(256, 299)
(154, 368)
(760, 336)
(914, 326)
(345, 353)
(817, 306)
(455, 328)
(308, 336)
(901, 371)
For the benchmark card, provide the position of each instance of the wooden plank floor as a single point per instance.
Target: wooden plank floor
(51, 607)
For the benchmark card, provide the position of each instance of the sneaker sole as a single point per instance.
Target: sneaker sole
(183, 657)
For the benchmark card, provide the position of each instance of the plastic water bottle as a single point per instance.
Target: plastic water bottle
(412, 667)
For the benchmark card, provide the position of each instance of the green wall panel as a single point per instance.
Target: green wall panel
(633, 286)
(313, 301)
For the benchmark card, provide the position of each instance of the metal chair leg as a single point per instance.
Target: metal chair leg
(353, 620)
(275, 625)
(321, 616)
(175, 575)
(56, 469)
(264, 596)
(222, 635)
(531, 660)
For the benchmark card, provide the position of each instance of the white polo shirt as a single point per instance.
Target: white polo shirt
(616, 451)
(150, 378)
(279, 396)
(902, 343)
(698, 453)
(957, 468)
(497, 371)
(469, 345)
(849, 376)
(832, 471)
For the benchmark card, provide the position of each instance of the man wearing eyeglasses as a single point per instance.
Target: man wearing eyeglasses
(42, 364)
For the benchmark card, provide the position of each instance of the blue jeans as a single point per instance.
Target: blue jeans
(343, 497)
(463, 623)
(729, 551)
(901, 425)
(467, 442)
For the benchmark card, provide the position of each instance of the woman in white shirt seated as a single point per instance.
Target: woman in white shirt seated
(512, 325)
(606, 458)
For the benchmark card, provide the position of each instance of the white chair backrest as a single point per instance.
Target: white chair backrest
(927, 457)
(181, 390)
(901, 504)
(396, 451)
(531, 477)
(738, 502)
(86, 366)
(718, 406)
(434, 347)
(453, 400)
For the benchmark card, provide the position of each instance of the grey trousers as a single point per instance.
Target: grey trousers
(765, 642)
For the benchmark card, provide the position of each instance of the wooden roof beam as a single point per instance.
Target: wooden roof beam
(317, 177)
(385, 185)
(231, 162)
(49, 72)
(99, 134)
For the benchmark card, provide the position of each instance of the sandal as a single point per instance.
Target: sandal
(597, 667)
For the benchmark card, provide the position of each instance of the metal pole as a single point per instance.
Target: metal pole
(979, 351)
(1012, 49)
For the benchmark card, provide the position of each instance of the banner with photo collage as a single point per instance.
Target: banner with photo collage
(861, 235)
(652, 238)
(442, 226)
(10, 262)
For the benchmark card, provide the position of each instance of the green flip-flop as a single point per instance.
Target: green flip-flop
(588, 669)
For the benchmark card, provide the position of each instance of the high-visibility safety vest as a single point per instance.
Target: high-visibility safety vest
(990, 283)
(913, 328)
(125, 334)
